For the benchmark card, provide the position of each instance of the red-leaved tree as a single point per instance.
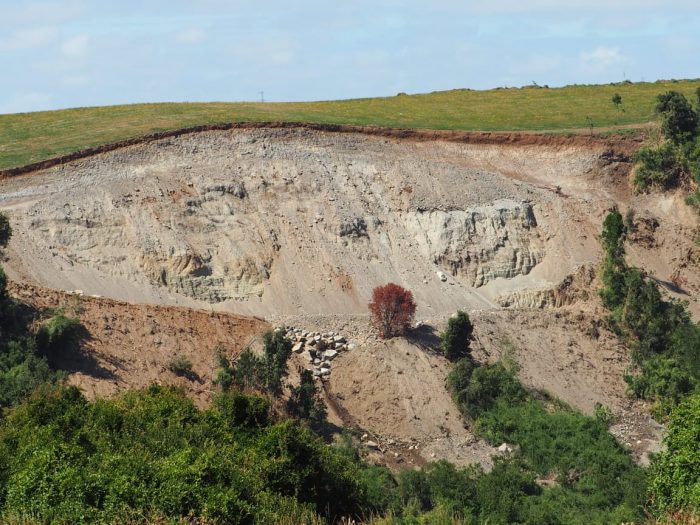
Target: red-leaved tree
(392, 309)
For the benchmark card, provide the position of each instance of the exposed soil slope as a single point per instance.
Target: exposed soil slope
(298, 224)
(131, 345)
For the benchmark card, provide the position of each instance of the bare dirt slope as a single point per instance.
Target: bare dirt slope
(298, 225)
(131, 345)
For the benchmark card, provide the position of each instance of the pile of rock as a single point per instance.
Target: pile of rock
(318, 348)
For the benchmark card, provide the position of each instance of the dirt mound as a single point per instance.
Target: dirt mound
(132, 345)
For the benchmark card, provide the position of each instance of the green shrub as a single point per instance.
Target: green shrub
(659, 167)
(503, 493)
(662, 379)
(604, 414)
(380, 489)
(22, 367)
(679, 121)
(613, 267)
(454, 341)
(241, 410)
(476, 389)
(5, 230)
(180, 365)
(596, 478)
(665, 342)
(277, 348)
(3, 289)
(58, 336)
(251, 372)
(304, 403)
(675, 473)
(452, 488)
(414, 488)
(676, 159)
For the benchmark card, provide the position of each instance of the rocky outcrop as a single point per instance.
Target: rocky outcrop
(189, 276)
(577, 286)
(482, 243)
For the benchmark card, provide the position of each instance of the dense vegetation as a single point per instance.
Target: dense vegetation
(588, 476)
(675, 479)
(152, 453)
(30, 137)
(674, 159)
(664, 341)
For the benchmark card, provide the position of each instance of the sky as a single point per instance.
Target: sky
(76, 53)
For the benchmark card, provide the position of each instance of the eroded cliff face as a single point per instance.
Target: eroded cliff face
(482, 243)
(281, 221)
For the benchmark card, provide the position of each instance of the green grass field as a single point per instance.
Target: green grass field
(30, 137)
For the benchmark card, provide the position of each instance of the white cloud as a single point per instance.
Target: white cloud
(602, 56)
(27, 38)
(192, 35)
(75, 46)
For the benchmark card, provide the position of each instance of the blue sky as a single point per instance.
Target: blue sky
(70, 53)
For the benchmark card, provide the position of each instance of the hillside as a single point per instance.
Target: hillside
(132, 345)
(138, 263)
(30, 137)
(298, 224)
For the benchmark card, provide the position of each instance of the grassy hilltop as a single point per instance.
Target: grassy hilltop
(30, 137)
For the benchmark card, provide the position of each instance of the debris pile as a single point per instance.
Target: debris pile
(318, 348)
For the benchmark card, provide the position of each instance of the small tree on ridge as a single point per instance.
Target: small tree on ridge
(392, 309)
(454, 341)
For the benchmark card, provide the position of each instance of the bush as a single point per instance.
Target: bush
(5, 230)
(3, 288)
(414, 489)
(22, 371)
(475, 389)
(57, 337)
(675, 473)
(180, 365)
(662, 379)
(676, 159)
(679, 122)
(392, 310)
(658, 167)
(251, 372)
(454, 341)
(665, 342)
(277, 348)
(152, 453)
(304, 403)
(617, 100)
(597, 481)
(243, 411)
